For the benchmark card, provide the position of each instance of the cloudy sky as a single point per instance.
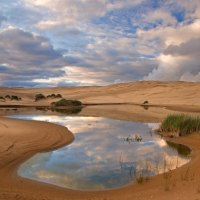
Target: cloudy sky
(98, 42)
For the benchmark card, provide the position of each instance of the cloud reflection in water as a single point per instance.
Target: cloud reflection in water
(99, 158)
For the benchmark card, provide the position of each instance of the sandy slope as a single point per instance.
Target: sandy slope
(159, 93)
(19, 140)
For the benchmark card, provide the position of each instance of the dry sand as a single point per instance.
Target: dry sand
(157, 93)
(20, 139)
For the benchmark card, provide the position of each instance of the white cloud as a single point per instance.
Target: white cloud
(178, 43)
(99, 41)
(67, 12)
(75, 75)
(160, 15)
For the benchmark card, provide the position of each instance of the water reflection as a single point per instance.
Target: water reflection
(99, 157)
(68, 111)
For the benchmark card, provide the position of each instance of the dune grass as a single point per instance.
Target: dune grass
(180, 124)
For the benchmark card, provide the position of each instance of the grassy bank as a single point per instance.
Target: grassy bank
(180, 124)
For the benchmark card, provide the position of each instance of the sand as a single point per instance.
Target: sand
(21, 139)
(156, 93)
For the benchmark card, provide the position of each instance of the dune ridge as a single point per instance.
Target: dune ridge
(155, 92)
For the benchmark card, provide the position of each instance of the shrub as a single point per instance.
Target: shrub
(2, 98)
(181, 124)
(14, 97)
(58, 96)
(64, 102)
(54, 96)
(39, 97)
(145, 102)
(7, 96)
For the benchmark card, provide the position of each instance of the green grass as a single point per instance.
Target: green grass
(180, 124)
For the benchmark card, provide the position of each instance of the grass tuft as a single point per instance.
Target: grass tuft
(180, 124)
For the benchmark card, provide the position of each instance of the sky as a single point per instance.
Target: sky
(48, 43)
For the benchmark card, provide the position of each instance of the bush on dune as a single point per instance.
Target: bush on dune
(14, 97)
(145, 102)
(58, 96)
(11, 97)
(65, 102)
(54, 96)
(8, 96)
(2, 98)
(39, 97)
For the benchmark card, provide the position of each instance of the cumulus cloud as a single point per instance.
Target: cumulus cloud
(160, 16)
(190, 48)
(77, 12)
(87, 42)
(24, 54)
(178, 44)
(179, 62)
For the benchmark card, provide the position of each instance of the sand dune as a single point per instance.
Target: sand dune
(157, 93)
(21, 139)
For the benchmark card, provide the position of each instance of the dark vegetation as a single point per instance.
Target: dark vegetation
(180, 124)
(39, 97)
(2, 98)
(65, 102)
(145, 102)
(10, 97)
(42, 96)
(14, 97)
(54, 96)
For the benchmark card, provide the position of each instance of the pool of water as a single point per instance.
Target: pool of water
(102, 156)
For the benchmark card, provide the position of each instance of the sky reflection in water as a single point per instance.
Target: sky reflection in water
(99, 158)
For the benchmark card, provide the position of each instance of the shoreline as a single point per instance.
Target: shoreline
(172, 107)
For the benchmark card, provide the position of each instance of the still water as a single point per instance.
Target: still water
(101, 156)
